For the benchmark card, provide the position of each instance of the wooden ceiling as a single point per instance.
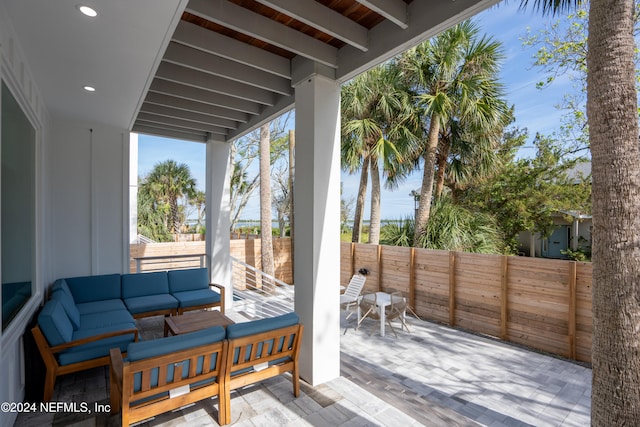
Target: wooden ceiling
(230, 64)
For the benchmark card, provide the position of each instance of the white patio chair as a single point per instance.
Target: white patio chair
(349, 298)
(397, 310)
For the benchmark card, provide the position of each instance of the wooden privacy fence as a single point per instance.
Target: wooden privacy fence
(167, 256)
(541, 303)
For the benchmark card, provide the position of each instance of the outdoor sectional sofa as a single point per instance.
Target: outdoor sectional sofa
(161, 375)
(87, 316)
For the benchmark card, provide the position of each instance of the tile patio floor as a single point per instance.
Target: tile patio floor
(435, 376)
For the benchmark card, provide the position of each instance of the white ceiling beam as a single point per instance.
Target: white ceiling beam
(213, 83)
(426, 18)
(282, 105)
(243, 20)
(162, 110)
(198, 60)
(393, 10)
(197, 37)
(204, 96)
(324, 19)
(195, 106)
(148, 128)
(180, 123)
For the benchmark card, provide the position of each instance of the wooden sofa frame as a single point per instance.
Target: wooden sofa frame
(54, 369)
(252, 351)
(261, 349)
(124, 398)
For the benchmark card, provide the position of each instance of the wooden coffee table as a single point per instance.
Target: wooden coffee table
(191, 322)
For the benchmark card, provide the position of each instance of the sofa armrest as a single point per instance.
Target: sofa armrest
(75, 343)
(221, 290)
(115, 379)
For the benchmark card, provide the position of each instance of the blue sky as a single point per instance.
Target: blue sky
(534, 110)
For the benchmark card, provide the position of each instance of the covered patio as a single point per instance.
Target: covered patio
(434, 376)
(201, 70)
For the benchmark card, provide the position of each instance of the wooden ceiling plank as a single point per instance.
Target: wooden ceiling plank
(226, 47)
(393, 10)
(263, 28)
(324, 19)
(195, 106)
(211, 64)
(191, 77)
(208, 97)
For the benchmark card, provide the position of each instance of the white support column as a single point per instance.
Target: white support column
(317, 225)
(575, 234)
(218, 175)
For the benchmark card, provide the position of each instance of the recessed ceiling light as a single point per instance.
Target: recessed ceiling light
(86, 10)
(89, 88)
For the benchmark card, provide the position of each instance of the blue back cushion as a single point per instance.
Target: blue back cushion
(188, 280)
(142, 284)
(94, 288)
(238, 330)
(54, 323)
(69, 305)
(145, 349)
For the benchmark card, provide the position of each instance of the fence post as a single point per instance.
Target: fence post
(572, 309)
(353, 258)
(452, 288)
(379, 268)
(412, 279)
(504, 302)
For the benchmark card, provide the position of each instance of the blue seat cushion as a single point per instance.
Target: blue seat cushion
(66, 299)
(96, 349)
(150, 303)
(101, 306)
(146, 349)
(94, 288)
(188, 280)
(238, 330)
(54, 323)
(197, 297)
(143, 284)
(107, 318)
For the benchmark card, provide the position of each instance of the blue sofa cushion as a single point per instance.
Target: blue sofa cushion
(149, 303)
(146, 349)
(188, 280)
(101, 320)
(143, 284)
(95, 288)
(101, 306)
(239, 330)
(197, 297)
(96, 349)
(63, 295)
(55, 323)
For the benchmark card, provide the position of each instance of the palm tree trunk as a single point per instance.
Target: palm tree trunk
(265, 202)
(426, 192)
(362, 194)
(374, 224)
(443, 154)
(613, 130)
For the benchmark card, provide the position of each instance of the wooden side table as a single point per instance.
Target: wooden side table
(194, 321)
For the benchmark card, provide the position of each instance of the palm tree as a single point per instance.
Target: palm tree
(266, 241)
(167, 182)
(199, 200)
(455, 76)
(612, 111)
(379, 126)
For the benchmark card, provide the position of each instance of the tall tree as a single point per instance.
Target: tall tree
(266, 240)
(455, 76)
(379, 126)
(612, 117)
(167, 182)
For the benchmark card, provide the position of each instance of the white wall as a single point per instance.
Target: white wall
(87, 188)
